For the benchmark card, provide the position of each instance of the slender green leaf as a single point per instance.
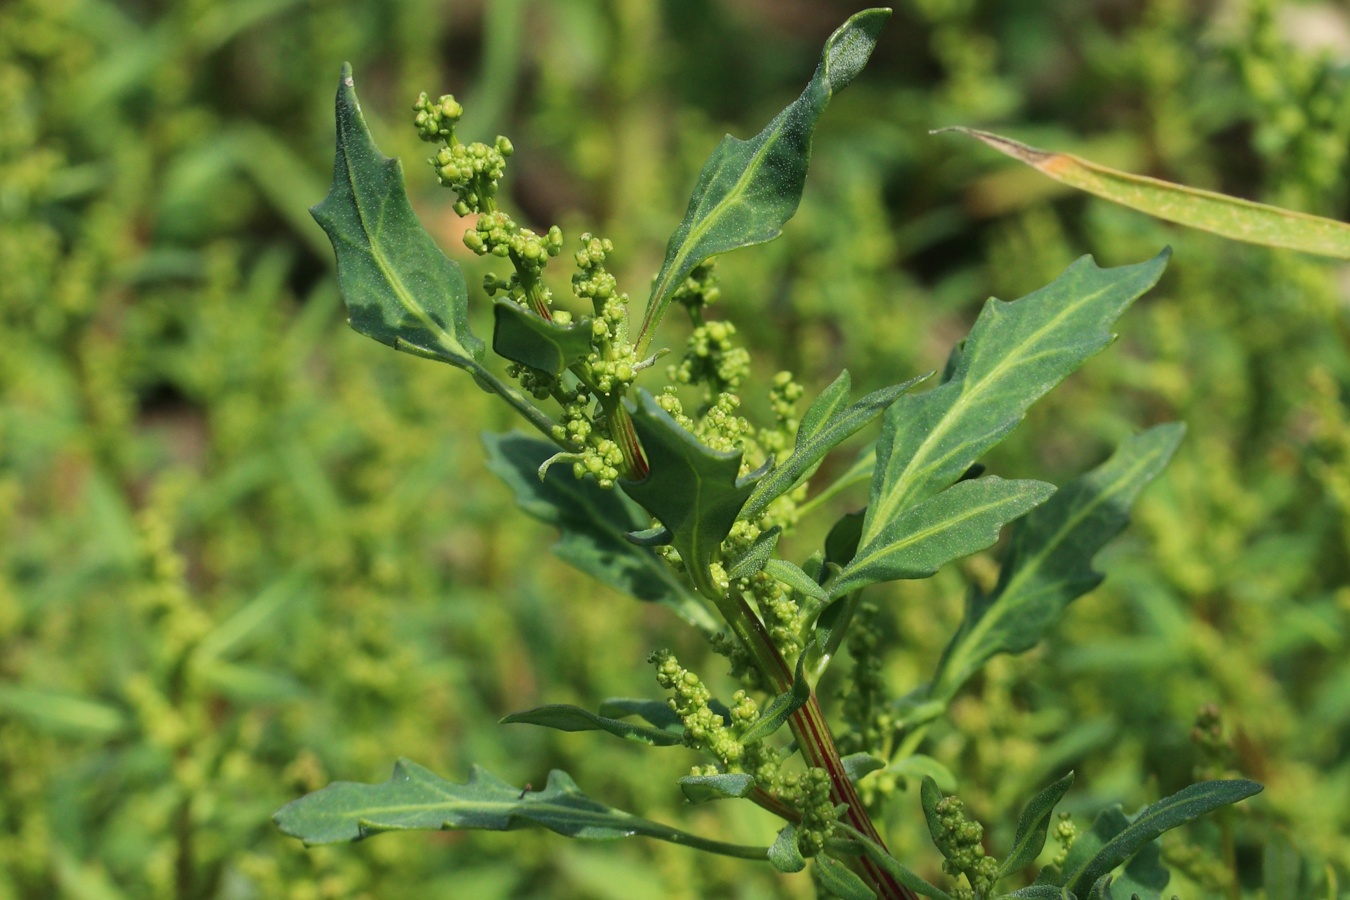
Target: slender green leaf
(60, 713)
(1170, 812)
(858, 766)
(1039, 892)
(1014, 355)
(1049, 563)
(784, 854)
(929, 797)
(893, 867)
(693, 491)
(399, 288)
(840, 880)
(416, 798)
(250, 618)
(1033, 825)
(1230, 217)
(523, 337)
(1144, 876)
(841, 544)
(961, 520)
(752, 561)
(826, 424)
(656, 712)
(573, 718)
(726, 786)
(918, 766)
(593, 522)
(780, 708)
(792, 576)
(747, 190)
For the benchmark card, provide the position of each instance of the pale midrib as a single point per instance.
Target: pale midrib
(987, 621)
(401, 292)
(898, 492)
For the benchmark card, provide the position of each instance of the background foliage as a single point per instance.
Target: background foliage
(244, 553)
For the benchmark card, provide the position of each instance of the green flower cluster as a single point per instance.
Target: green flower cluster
(961, 841)
(864, 695)
(473, 170)
(809, 794)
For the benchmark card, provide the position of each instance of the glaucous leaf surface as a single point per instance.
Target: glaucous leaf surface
(400, 289)
(593, 522)
(747, 190)
(1014, 355)
(1049, 563)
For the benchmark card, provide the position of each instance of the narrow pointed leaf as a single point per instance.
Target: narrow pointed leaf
(780, 708)
(1032, 826)
(858, 766)
(573, 718)
(1170, 812)
(1230, 217)
(594, 523)
(841, 544)
(523, 337)
(752, 561)
(840, 880)
(895, 869)
(657, 712)
(726, 786)
(1039, 892)
(399, 288)
(828, 422)
(784, 854)
(416, 798)
(747, 190)
(1015, 354)
(695, 492)
(961, 520)
(929, 797)
(1049, 562)
(795, 578)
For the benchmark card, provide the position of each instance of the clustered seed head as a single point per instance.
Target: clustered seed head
(436, 120)
(498, 234)
(961, 842)
(1065, 833)
(809, 794)
(711, 356)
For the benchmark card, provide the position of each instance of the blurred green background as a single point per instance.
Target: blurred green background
(244, 551)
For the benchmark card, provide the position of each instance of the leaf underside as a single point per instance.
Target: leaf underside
(564, 717)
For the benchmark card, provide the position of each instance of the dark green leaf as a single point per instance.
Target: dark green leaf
(594, 523)
(730, 785)
(959, 521)
(827, 423)
(784, 855)
(1033, 825)
(415, 798)
(1014, 355)
(780, 708)
(795, 578)
(1144, 876)
(695, 492)
(918, 766)
(399, 288)
(523, 337)
(747, 190)
(1170, 812)
(841, 544)
(840, 880)
(1039, 892)
(574, 718)
(656, 712)
(1049, 563)
(753, 559)
(859, 765)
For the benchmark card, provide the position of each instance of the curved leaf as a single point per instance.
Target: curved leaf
(573, 718)
(1033, 825)
(400, 289)
(784, 854)
(1170, 812)
(726, 786)
(416, 798)
(747, 190)
(891, 866)
(523, 337)
(780, 708)
(840, 880)
(1230, 217)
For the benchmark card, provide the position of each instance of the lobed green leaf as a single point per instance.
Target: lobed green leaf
(1049, 564)
(400, 289)
(747, 190)
(416, 798)
(1015, 354)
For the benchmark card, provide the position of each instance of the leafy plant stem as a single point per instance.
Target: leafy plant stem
(807, 724)
(621, 430)
(533, 414)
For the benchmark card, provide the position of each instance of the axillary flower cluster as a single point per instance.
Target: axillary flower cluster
(595, 429)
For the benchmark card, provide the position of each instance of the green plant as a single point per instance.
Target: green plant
(687, 509)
